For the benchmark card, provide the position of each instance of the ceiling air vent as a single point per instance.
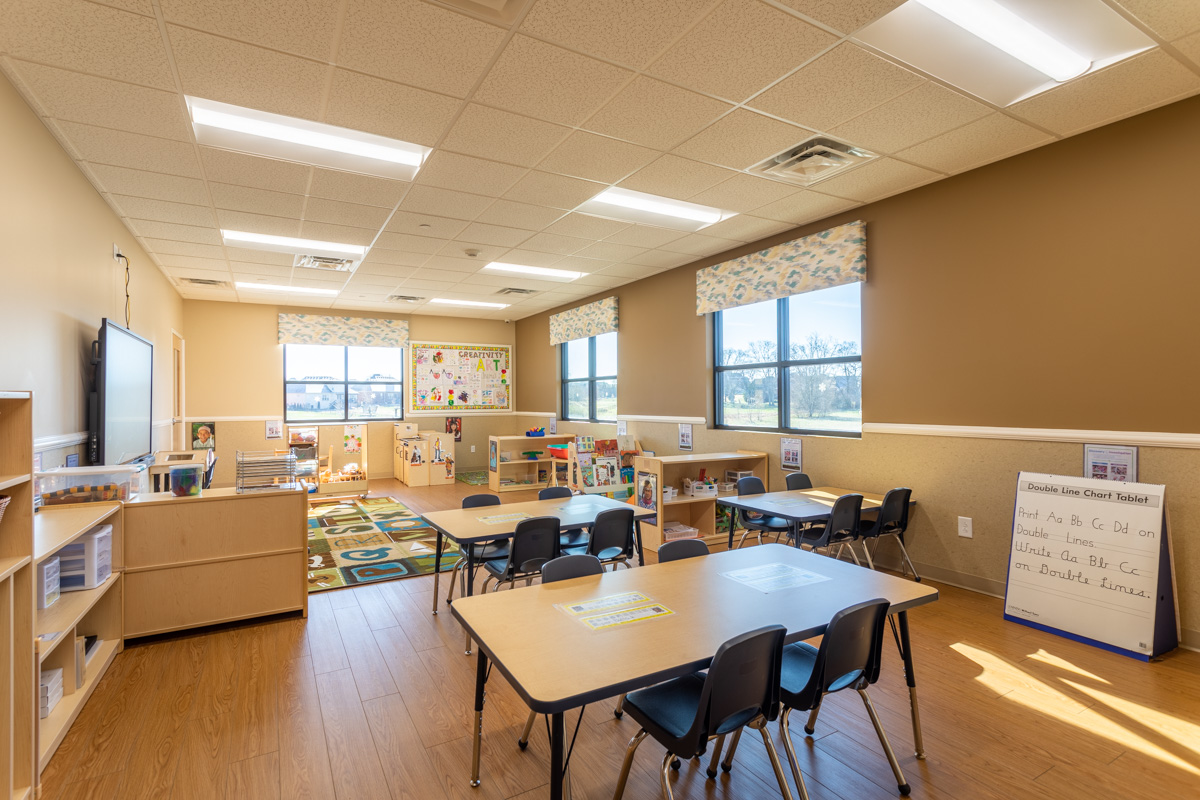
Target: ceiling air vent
(325, 263)
(404, 298)
(514, 290)
(205, 282)
(813, 161)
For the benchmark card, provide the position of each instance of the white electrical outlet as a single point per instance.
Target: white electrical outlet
(964, 528)
(472, 448)
(116, 252)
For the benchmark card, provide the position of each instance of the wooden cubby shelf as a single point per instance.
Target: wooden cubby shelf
(54, 727)
(522, 471)
(67, 612)
(9, 481)
(55, 528)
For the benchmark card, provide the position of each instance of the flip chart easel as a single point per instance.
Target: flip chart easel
(1091, 560)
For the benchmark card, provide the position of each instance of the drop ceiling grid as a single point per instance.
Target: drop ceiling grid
(514, 230)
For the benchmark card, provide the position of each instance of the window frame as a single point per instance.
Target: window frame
(591, 380)
(781, 367)
(345, 384)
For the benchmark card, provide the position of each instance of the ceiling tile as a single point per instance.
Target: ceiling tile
(338, 212)
(644, 236)
(345, 234)
(444, 202)
(374, 105)
(1122, 89)
(644, 30)
(741, 140)
(875, 180)
(532, 258)
(457, 250)
(580, 264)
(243, 270)
(610, 251)
(405, 243)
(556, 243)
(601, 281)
(553, 190)
(221, 274)
(597, 158)
(547, 82)
(176, 233)
(334, 185)
(1170, 19)
(256, 201)
(224, 166)
(846, 16)
(192, 262)
(838, 86)
(636, 271)
(743, 193)
(257, 223)
(438, 227)
(108, 104)
(519, 215)
(801, 207)
(424, 284)
(244, 75)
(163, 211)
(87, 38)
(1190, 47)
(304, 28)
(468, 174)
(672, 176)
(495, 235)
(122, 149)
(153, 185)
(392, 259)
(655, 114)
(417, 43)
(501, 136)
(446, 263)
(698, 244)
(245, 254)
(925, 112)
(136, 6)
(989, 139)
(712, 57)
(586, 227)
(746, 228)
(166, 247)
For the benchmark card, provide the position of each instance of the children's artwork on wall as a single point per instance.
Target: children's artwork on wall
(454, 426)
(274, 429)
(492, 456)
(647, 490)
(460, 377)
(204, 436)
(352, 438)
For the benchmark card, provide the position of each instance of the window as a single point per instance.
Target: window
(589, 385)
(335, 383)
(793, 364)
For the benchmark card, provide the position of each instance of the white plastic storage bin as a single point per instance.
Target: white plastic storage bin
(678, 530)
(47, 582)
(87, 562)
(89, 484)
(735, 475)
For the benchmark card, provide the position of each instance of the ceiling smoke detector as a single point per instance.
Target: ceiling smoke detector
(325, 263)
(813, 161)
(514, 290)
(205, 282)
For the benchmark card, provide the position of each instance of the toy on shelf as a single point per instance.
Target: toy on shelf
(536, 432)
(532, 455)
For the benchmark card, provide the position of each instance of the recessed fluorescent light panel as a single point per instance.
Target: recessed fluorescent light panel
(471, 303)
(650, 209)
(287, 244)
(272, 287)
(260, 133)
(541, 272)
(1005, 51)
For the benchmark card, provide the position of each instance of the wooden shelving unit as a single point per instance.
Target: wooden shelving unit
(523, 472)
(18, 675)
(697, 512)
(91, 612)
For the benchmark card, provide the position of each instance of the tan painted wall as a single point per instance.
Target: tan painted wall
(235, 369)
(59, 279)
(1051, 290)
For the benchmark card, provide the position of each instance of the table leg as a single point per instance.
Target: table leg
(437, 569)
(480, 682)
(637, 532)
(733, 514)
(557, 735)
(469, 566)
(911, 679)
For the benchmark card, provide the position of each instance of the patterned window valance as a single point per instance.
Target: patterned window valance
(580, 323)
(817, 261)
(356, 331)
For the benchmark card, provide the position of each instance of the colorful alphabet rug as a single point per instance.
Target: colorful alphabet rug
(352, 542)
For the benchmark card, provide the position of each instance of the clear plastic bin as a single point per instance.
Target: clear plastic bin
(86, 562)
(91, 484)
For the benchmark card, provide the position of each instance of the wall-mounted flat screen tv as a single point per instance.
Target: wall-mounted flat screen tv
(122, 404)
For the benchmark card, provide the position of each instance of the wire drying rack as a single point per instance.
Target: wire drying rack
(258, 470)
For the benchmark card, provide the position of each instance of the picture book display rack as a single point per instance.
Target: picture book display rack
(518, 463)
(653, 473)
(602, 466)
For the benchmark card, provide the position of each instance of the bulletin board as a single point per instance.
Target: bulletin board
(448, 378)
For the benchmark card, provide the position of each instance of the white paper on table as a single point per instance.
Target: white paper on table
(768, 578)
(612, 619)
(604, 603)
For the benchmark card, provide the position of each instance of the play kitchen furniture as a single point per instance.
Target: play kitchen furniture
(425, 458)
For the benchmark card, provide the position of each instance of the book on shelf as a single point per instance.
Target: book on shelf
(91, 646)
(607, 447)
(80, 661)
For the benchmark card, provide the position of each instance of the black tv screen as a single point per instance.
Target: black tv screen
(123, 401)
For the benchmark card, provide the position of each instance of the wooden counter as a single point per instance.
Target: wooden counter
(217, 557)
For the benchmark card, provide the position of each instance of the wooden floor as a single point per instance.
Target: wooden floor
(371, 697)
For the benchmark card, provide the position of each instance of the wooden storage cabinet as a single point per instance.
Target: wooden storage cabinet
(427, 460)
(521, 473)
